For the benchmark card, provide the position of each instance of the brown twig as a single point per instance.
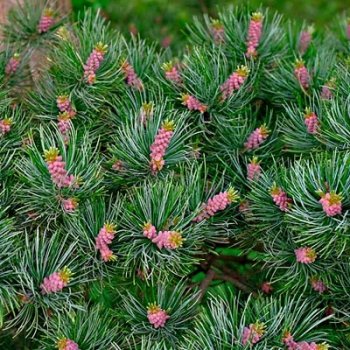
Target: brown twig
(237, 283)
(215, 269)
(206, 282)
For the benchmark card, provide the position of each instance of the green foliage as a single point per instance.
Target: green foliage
(242, 183)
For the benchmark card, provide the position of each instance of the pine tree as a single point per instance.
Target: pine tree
(158, 201)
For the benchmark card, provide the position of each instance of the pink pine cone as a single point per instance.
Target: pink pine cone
(302, 74)
(256, 138)
(305, 255)
(266, 288)
(64, 105)
(305, 40)
(160, 145)
(331, 204)
(149, 231)
(280, 198)
(253, 170)
(168, 240)
(172, 73)
(166, 41)
(291, 344)
(218, 32)
(311, 122)
(156, 316)
(46, 21)
(234, 82)
(56, 281)
(12, 64)
(253, 333)
(326, 92)
(69, 205)
(64, 126)
(103, 239)
(64, 118)
(118, 165)
(303, 345)
(288, 341)
(93, 62)
(5, 126)
(58, 174)
(254, 34)
(131, 77)
(215, 204)
(67, 344)
(318, 285)
(193, 104)
(56, 167)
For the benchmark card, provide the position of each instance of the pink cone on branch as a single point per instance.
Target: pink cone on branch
(47, 20)
(64, 118)
(172, 72)
(118, 165)
(217, 203)
(64, 105)
(166, 41)
(69, 205)
(327, 89)
(56, 281)
(253, 333)
(302, 74)
(5, 126)
(331, 203)
(288, 340)
(305, 39)
(160, 145)
(305, 255)
(168, 240)
(93, 63)
(193, 104)
(12, 64)
(280, 198)
(326, 92)
(234, 82)
(291, 344)
(157, 317)
(67, 344)
(64, 125)
(217, 31)
(318, 285)
(56, 166)
(254, 34)
(149, 231)
(146, 112)
(266, 288)
(253, 169)
(131, 77)
(103, 240)
(311, 121)
(257, 137)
